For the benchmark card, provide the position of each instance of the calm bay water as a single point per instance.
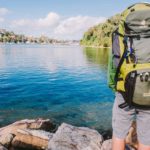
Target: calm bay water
(63, 83)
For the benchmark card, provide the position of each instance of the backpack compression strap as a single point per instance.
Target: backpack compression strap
(124, 55)
(121, 60)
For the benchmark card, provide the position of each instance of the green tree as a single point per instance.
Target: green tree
(100, 35)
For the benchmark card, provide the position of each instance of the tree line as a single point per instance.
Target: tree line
(100, 35)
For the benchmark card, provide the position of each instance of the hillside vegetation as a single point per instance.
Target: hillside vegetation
(100, 35)
(11, 37)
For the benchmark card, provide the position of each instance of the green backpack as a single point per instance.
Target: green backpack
(129, 58)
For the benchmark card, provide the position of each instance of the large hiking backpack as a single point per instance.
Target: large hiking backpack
(129, 62)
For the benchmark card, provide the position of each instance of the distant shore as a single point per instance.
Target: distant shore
(61, 44)
(93, 46)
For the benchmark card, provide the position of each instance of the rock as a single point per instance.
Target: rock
(107, 145)
(6, 139)
(2, 148)
(69, 137)
(27, 124)
(31, 139)
(37, 133)
(131, 138)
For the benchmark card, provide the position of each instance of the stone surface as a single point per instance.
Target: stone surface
(69, 137)
(2, 147)
(31, 139)
(27, 124)
(6, 139)
(107, 145)
(30, 134)
(36, 133)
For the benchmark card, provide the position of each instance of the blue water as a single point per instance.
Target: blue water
(63, 83)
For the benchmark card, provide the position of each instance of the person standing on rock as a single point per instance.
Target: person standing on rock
(129, 75)
(122, 121)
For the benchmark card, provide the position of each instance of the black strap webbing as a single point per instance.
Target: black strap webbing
(123, 55)
(121, 62)
(123, 105)
(116, 56)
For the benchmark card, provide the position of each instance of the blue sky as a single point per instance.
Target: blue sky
(65, 19)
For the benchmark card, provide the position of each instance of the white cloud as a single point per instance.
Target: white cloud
(54, 25)
(1, 20)
(52, 19)
(22, 22)
(3, 11)
(76, 26)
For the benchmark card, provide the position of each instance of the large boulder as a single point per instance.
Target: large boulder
(6, 139)
(3, 148)
(107, 145)
(69, 137)
(31, 139)
(37, 124)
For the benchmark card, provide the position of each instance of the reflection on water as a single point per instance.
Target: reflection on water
(64, 83)
(97, 55)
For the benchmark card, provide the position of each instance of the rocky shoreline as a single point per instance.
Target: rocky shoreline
(42, 134)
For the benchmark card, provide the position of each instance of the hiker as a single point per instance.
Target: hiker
(129, 76)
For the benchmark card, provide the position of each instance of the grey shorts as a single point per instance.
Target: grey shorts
(122, 120)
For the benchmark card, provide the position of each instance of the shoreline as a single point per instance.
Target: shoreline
(106, 133)
(92, 46)
(42, 134)
(58, 44)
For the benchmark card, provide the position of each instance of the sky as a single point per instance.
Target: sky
(60, 19)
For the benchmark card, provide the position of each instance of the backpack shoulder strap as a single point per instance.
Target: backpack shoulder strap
(121, 60)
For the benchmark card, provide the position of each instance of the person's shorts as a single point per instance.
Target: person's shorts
(123, 118)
